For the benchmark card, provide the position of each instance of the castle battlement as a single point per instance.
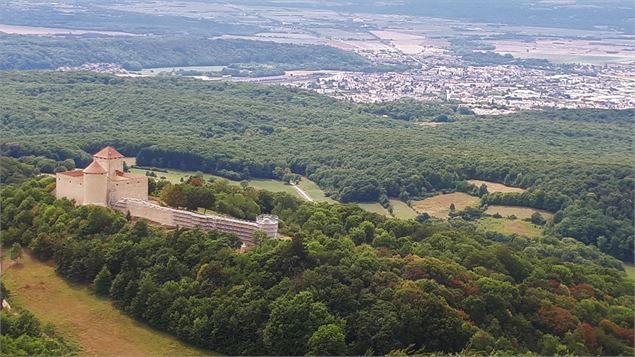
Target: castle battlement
(104, 183)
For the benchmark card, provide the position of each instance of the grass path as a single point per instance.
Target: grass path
(94, 323)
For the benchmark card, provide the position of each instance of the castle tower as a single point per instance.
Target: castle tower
(95, 185)
(110, 159)
(269, 224)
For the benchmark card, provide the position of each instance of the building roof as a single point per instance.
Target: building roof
(94, 168)
(73, 173)
(108, 152)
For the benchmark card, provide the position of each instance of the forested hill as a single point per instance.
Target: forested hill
(134, 53)
(349, 282)
(575, 163)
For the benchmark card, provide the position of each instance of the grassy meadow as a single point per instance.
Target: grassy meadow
(520, 212)
(80, 316)
(439, 206)
(495, 186)
(509, 226)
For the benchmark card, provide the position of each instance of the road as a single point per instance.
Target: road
(302, 193)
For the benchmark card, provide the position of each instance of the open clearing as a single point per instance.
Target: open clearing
(508, 226)
(314, 191)
(520, 212)
(374, 207)
(402, 210)
(495, 186)
(439, 206)
(97, 326)
(272, 185)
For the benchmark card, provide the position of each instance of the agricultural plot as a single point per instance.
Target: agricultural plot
(439, 206)
(495, 186)
(520, 212)
(402, 210)
(95, 324)
(509, 226)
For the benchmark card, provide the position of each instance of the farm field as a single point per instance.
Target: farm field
(520, 212)
(439, 206)
(374, 207)
(402, 210)
(495, 186)
(94, 323)
(508, 226)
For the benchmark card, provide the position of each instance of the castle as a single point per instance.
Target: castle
(101, 182)
(105, 183)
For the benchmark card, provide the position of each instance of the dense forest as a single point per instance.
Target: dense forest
(347, 282)
(135, 53)
(575, 163)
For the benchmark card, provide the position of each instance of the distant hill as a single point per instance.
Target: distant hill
(33, 52)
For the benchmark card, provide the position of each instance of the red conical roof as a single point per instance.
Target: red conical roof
(94, 168)
(108, 152)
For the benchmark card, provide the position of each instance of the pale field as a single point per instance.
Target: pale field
(507, 226)
(439, 206)
(373, 207)
(402, 210)
(520, 212)
(80, 316)
(35, 30)
(496, 187)
(569, 50)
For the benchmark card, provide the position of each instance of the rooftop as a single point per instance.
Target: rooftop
(73, 173)
(108, 152)
(94, 168)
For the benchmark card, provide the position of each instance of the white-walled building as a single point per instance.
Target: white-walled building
(102, 182)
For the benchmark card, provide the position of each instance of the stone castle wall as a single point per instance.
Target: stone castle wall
(71, 187)
(130, 188)
(172, 218)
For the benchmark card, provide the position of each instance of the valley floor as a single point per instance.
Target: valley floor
(95, 324)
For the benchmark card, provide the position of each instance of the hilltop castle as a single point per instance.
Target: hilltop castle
(104, 183)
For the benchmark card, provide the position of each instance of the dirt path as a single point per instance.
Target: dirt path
(97, 326)
(302, 193)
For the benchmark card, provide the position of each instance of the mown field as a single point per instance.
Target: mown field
(520, 212)
(439, 206)
(495, 186)
(508, 226)
(94, 323)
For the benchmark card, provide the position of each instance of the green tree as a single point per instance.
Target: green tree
(16, 252)
(103, 281)
(328, 340)
(292, 322)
